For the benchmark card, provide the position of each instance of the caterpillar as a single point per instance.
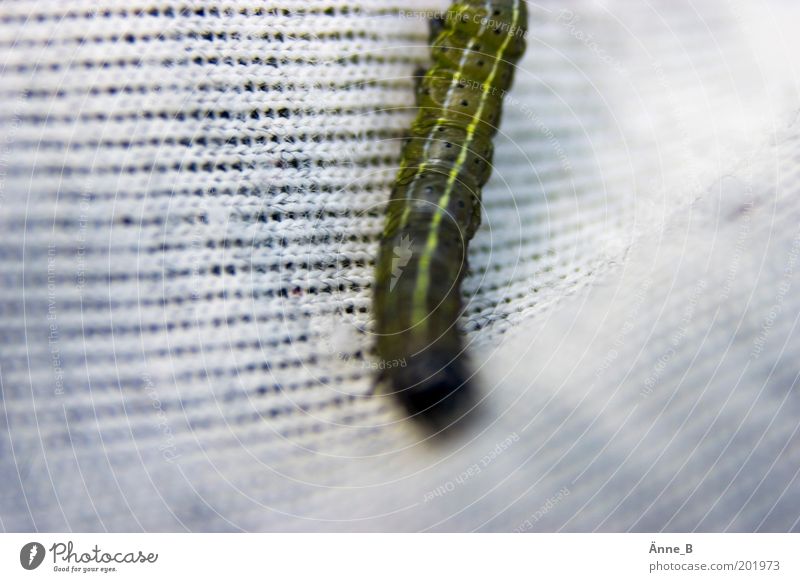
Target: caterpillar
(435, 205)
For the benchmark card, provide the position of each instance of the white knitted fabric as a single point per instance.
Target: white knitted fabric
(190, 198)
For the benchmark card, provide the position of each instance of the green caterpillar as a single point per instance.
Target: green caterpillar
(435, 205)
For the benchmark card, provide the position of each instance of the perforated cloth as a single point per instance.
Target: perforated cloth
(190, 198)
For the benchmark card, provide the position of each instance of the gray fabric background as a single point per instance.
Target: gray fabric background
(190, 198)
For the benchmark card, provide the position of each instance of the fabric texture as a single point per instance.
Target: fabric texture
(190, 198)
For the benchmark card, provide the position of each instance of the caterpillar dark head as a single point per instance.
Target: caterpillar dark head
(434, 389)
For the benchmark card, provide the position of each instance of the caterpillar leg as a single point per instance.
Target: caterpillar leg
(419, 74)
(435, 27)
